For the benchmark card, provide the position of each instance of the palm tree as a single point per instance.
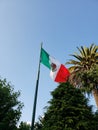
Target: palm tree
(83, 65)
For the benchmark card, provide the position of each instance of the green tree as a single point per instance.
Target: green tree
(82, 67)
(39, 124)
(68, 110)
(10, 106)
(89, 78)
(24, 126)
(95, 121)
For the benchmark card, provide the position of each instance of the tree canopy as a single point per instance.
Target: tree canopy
(83, 64)
(68, 110)
(10, 106)
(24, 126)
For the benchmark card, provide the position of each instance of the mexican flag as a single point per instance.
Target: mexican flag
(58, 72)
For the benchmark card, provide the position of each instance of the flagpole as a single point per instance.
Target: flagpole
(36, 93)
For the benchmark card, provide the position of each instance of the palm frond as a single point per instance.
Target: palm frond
(77, 57)
(91, 47)
(87, 57)
(73, 62)
(83, 51)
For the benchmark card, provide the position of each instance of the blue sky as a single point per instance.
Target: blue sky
(61, 25)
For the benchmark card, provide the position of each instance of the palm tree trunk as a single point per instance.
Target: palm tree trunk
(95, 93)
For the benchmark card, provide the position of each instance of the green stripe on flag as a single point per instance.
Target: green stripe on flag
(45, 58)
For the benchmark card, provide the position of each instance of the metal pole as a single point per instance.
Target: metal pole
(36, 93)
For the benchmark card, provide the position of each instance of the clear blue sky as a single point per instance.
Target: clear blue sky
(61, 25)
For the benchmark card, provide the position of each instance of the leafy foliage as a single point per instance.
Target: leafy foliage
(39, 124)
(24, 126)
(89, 79)
(68, 110)
(10, 107)
(84, 69)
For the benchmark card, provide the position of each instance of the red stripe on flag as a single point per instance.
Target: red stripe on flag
(62, 75)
